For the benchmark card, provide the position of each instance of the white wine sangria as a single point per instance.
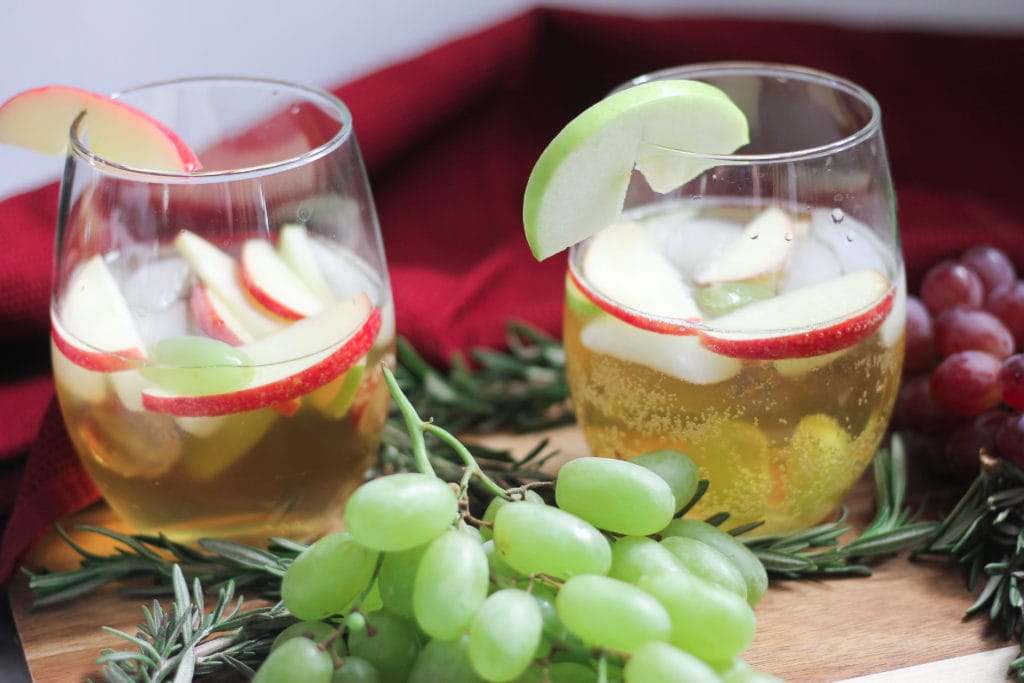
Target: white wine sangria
(735, 288)
(193, 426)
(221, 307)
(776, 371)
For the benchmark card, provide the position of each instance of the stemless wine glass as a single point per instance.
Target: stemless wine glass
(218, 334)
(778, 365)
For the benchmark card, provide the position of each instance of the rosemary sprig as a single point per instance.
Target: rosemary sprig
(818, 551)
(985, 533)
(189, 642)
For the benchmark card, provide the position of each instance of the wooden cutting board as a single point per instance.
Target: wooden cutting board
(902, 624)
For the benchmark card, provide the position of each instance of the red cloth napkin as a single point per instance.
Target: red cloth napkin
(450, 137)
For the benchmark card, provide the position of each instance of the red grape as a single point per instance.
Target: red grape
(920, 355)
(992, 265)
(948, 284)
(969, 440)
(1011, 379)
(1010, 438)
(967, 382)
(1006, 302)
(964, 329)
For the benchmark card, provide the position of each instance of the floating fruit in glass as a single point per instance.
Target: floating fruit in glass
(221, 306)
(735, 288)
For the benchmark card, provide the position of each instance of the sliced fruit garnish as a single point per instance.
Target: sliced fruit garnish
(627, 276)
(579, 183)
(205, 459)
(729, 296)
(271, 282)
(94, 327)
(40, 120)
(215, 318)
(677, 356)
(219, 272)
(85, 385)
(288, 364)
(896, 322)
(812, 321)
(335, 398)
(293, 245)
(761, 249)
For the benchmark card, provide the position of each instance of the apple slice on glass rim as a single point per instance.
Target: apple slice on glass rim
(40, 120)
(93, 326)
(288, 364)
(812, 321)
(578, 185)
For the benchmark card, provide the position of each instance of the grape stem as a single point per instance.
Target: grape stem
(417, 427)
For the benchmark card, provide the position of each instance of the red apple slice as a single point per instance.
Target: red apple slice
(215, 318)
(807, 322)
(291, 363)
(84, 385)
(761, 249)
(626, 275)
(295, 248)
(95, 328)
(271, 282)
(40, 120)
(219, 272)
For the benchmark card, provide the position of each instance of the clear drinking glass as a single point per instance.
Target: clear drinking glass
(218, 335)
(754, 317)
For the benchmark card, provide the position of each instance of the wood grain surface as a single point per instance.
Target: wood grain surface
(905, 623)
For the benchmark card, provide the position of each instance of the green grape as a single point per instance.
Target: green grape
(497, 502)
(298, 659)
(504, 635)
(539, 539)
(634, 556)
(678, 471)
(707, 621)
(615, 495)
(722, 298)
(396, 577)
(662, 663)
(390, 643)
(707, 563)
(502, 575)
(740, 555)
(444, 660)
(451, 584)
(196, 366)
(327, 576)
(400, 511)
(559, 672)
(609, 613)
(314, 630)
(371, 602)
(355, 670)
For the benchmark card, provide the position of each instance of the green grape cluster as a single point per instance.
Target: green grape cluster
(608, 584)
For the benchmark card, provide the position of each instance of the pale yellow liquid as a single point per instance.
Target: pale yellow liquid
(775, 447)
(246, 476)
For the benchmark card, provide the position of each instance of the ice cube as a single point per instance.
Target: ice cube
(154, 325)
(852, 242)
(697, 242)
(156, 284)
(346, 273)
(678, 356)
(810, 262)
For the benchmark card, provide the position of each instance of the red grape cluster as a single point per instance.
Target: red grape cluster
(964, 366)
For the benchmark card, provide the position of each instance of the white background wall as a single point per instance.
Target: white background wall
(105, 45)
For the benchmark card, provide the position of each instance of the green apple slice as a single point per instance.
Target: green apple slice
(579, 183)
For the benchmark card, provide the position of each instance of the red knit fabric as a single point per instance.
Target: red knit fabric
(450, 137)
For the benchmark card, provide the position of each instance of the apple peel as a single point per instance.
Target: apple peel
(40, 120)
(273, 283)
(315, 356)
(812, 321)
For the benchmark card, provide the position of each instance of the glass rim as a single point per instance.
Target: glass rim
(699, 70)
(326, 100)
